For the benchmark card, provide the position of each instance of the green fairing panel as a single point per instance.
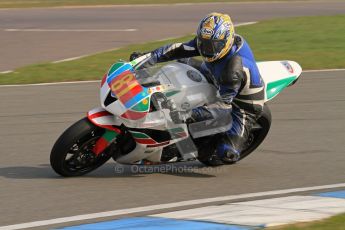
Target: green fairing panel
(171, 93)
(274, 88)
(142, 106)
(114, 67)
(139, 135)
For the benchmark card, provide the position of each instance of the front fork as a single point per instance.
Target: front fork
(105, 120)
(104, 141)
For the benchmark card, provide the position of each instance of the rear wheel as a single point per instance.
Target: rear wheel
(256, 137)
(72, 153)
(258, 133)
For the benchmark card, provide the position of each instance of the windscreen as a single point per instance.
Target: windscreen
(149, 77)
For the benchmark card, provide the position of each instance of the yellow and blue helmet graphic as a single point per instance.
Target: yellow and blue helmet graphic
(215, 36)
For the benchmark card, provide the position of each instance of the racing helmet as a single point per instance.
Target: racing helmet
(215, 36)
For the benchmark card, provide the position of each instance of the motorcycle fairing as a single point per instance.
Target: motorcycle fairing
(152, 137)
(149, 141)
(104, 119)
(155, 138)
(278, 75)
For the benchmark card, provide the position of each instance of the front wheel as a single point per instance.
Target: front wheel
(72, 153)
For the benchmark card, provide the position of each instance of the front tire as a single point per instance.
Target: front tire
(72, 153)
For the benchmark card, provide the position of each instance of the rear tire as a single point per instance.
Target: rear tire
(72, 153)
(256, 137)
(259, 135)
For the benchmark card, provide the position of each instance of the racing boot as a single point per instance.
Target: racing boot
(227, 153)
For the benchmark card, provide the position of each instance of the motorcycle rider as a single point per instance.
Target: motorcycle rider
(230, 61)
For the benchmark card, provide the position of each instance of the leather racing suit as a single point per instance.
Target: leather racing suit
(240, 87)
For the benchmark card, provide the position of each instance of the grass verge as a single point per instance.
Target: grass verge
(314, 42)
(57, 3)
(333, 223)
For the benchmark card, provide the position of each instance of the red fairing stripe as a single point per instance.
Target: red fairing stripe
(102, 114)
(103, 79)
(131, 115)
(128, 96)
(110, 127)
(145, 141)
(160, 144)
(99, 114)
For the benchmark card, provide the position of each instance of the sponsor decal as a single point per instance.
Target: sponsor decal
(288, 66)
(159, 88)
(227, 25)
(194, 76)
(207, 32)
(124, 86)
(127, 89)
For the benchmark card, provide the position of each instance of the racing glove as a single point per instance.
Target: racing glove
(135, 55)
(195, 115)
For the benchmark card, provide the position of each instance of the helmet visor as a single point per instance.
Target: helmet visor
(210, 47)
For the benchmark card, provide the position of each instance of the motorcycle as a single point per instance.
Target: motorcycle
(134, 123)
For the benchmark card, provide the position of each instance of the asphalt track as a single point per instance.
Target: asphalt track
(40, 35)
(304, 148)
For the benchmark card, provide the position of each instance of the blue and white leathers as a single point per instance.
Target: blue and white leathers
(240, 86)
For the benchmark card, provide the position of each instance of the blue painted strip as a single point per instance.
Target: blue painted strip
(153, 223)
(118, 71)
(136, 99)
(337, 194)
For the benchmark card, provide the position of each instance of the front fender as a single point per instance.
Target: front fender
(102, 118)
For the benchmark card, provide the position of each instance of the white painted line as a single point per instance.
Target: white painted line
(245, 24)
(70, 30)
(69, 59)
(165, 206)
(322, 70)
(168, 38)
(53, 83)
(82, 56)
(8, 71)
(183, 4)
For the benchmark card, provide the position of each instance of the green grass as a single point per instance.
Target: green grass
(54, 3)
(314, 42)
(333, 223)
